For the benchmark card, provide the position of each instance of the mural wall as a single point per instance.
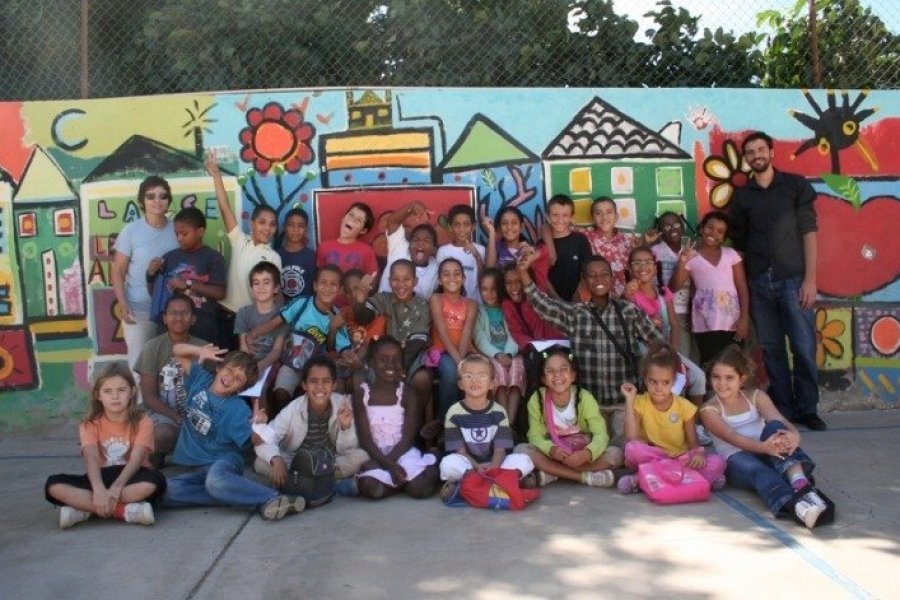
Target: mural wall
(69, 172)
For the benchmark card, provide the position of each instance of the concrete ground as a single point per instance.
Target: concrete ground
(575, 542)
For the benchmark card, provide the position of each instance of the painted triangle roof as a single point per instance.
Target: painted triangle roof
(599, 130)
(139, 156)
(483, 143)
(43, 180)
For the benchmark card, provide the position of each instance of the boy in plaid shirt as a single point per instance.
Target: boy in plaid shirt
(604, 332)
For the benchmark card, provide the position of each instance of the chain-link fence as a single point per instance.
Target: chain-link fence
(94, 48)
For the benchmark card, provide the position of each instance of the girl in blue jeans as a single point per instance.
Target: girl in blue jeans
(761, 447)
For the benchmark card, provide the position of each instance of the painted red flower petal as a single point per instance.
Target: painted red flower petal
(262, 165)
(247, 154)
(246, 136)
(293, 118)
(305, 132)
(254, 117)
(273, 111)
(305, 153)
(293, 165)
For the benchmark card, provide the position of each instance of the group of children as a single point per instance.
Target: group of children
(423, 380)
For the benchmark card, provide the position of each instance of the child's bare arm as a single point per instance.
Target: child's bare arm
(465, 341)
(742, 327)
(674, 333)
(632, 420)
(212, 167)
(437, 319)
(101, 498)
(364, 433)
(264, 328)
(490, 249)
(399, 216)
(186, 353)
(138, 452)
(497, 457)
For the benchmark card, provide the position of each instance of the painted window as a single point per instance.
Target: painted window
(669, 182)
(27, 225)
(580, 181)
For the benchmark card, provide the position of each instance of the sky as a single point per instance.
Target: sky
(740, 15)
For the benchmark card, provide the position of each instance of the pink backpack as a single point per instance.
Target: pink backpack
(669, 481)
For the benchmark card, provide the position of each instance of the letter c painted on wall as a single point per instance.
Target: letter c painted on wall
(58, 122)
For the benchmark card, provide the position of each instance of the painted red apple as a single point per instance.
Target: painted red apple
(858, 248)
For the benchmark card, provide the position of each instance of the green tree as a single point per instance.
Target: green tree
(856, 49)
(679, 56)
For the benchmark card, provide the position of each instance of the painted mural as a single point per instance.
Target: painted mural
(69, 172)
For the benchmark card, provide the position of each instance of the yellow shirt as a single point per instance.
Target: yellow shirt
(664, 429)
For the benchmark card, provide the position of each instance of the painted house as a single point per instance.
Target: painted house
(47, 219)
(109, 202)
(372, 152)
(502, 171)
(604, 152)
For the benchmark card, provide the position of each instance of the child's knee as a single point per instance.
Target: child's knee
(369, 487)
(453, 467)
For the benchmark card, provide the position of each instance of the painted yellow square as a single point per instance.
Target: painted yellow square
(580, 181)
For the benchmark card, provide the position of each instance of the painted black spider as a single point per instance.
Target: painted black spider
(836, 128)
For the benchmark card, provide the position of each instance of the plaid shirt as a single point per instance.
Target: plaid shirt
(601, 368)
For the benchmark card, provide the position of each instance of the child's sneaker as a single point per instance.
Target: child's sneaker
(628, 484)
(140, 513)
(544, 479)
(719, 483)
(280, 506)
(604, 479)
(807, 511)
(813, 498)
(447, 490)
(69, 516)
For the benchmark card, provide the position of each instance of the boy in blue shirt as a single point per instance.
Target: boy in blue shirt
(315, 326)
(216, 427)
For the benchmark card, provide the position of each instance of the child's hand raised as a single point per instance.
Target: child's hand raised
(651, 236)
(211, 352)
(337, 321)
(688, 252)
(629, 390)
(212, 163)
(527, 256)
(488, 225)
(345, 414)
(630, 288)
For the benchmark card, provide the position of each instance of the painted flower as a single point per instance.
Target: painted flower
(276, 137)
(730, 171)
(827, 337)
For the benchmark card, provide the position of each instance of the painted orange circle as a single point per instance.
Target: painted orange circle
(7, 364)
(885, 334)
(274, 141)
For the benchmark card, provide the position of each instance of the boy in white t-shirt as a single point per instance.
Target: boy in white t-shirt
(463, 249)
(419, 248)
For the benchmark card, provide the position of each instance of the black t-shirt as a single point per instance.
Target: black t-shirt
(571, 253)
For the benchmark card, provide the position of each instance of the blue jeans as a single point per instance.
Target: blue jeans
(765, 473)
(776, 313)
(221, 483)
(448, 388)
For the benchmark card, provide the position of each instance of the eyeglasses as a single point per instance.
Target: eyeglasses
(470, 377)
(671, 226)
(643, 262)
(559, 371)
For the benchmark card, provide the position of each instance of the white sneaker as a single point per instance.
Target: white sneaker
(545, 479)
(140, 513)
(703, 437)
(69, 516)
(280, 506)
(604, 479)
(808, 512)
(813, 498)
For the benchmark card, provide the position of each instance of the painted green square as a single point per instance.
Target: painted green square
(669, 182)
